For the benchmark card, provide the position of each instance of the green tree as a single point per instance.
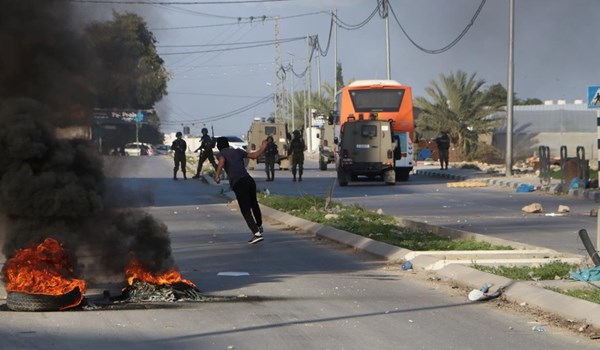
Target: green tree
(458, 106)
(498, 94)
(339, 77)
(322, 104)
(130, 72)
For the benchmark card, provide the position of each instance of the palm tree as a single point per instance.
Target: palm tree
(458, 106)
(322, 104)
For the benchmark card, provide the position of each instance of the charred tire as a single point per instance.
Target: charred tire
(17, 301)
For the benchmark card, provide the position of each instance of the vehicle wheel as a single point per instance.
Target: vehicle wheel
(389, 177)
(343, 178)
(17, 301)
(322, 165)
(402, 175)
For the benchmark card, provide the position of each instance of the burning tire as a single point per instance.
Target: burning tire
(17, 301)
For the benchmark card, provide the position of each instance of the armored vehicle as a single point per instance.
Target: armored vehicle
(391, 101)
(326, 145)
(366, 148)
(259, 131)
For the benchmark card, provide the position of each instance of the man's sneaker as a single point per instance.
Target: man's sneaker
(260, 229)
(256, 238)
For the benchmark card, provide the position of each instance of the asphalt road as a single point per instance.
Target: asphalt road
(299, 292)
(493, 211)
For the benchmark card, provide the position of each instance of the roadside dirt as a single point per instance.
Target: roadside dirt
(539, 318)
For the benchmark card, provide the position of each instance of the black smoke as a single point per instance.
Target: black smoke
(53, 186)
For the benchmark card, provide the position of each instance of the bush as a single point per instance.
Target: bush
(486, 153)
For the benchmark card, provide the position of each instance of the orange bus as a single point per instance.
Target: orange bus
(384, 100)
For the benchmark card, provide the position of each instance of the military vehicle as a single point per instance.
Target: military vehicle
(366, 148)
(259, 131)
(327, 145)
(389, 100)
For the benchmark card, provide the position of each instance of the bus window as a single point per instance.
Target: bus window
(380, 100)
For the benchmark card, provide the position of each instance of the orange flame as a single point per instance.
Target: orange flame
(44, 269)
(136, 270)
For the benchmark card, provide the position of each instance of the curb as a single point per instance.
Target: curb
(514, 291)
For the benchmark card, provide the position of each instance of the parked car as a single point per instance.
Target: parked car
(139, 149)
(162, 149)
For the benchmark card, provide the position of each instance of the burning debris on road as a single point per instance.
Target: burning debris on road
(140, 291)
(56, 223)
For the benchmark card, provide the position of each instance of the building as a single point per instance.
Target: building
(553, 125)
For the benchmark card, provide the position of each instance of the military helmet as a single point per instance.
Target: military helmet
(178, 134)
(204, 130)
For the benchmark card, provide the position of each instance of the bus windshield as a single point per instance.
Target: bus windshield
(380, 100)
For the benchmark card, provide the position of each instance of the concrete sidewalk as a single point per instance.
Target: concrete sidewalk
(523, 293)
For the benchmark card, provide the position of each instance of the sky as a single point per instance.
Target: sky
(556, 50)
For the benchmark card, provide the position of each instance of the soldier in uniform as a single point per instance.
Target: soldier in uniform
(206, 152)
(179, 146)
(270, 154)
(297, 148)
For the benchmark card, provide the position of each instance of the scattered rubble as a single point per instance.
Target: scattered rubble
(533, 208)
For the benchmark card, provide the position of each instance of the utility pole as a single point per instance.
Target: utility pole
(309, 91)
(292, 90)
(387, 38)
(319, 74)
(334, 54)
(279, 95)
(510, 91)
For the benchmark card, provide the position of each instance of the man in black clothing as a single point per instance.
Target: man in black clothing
(179, 146)
(206, 152)
(443, 145)
(242, 184)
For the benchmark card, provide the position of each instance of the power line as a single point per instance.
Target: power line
(213, 95)
(174, 2)
(347, 26)
(242, 20)
(447, 47)
(224, 115)
(230, 49)
(227, 44)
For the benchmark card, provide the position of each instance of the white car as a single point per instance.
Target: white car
(234, 142)
(139, 149)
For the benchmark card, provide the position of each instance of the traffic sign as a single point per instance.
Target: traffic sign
(594, 97)
(139, 117)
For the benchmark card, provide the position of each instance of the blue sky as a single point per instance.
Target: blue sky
(556, 50)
